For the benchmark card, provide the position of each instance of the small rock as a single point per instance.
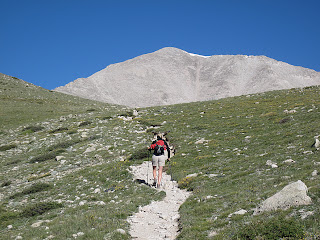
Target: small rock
(84, 134)
(80, 234)
(201, 141)
(212, 234)
(240, 212)
(135, 113)
(175, 217)
(63, 161)
(272, 164)
(306, 214)
(58, 158)
(307, 152)
(9, 226)
(192, 175)
(212, 175)
(119, 230)
(289, 161)
(37, 224)
(97, 190)
(314, 173)
(90, 149)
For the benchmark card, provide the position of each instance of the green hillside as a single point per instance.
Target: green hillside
(88, 192)
(23, 102)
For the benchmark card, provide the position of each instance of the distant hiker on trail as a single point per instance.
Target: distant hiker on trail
(161, 153)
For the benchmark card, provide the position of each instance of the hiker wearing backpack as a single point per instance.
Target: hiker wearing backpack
(161, 153)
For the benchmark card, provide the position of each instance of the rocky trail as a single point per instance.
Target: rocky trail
(158, 220)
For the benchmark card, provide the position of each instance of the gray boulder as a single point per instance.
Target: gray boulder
(294, 194)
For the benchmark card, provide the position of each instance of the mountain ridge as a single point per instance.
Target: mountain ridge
(170, 76)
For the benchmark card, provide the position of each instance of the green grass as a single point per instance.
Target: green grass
(239, 135)
(25, 103)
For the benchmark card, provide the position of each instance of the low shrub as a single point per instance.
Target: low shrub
(7, 147)
(71, 132)
(39, 209)
(12, 162)
(32, 129)
(278, 227)
(32, 178)
(184, 183)
(63, 145)
(106, 118)
(6, 183)
(127, 114)
(140, 154)
(149, 123)
(6, 217)
(59, 130)
(38, 187)
(85, 123)
(46, 156)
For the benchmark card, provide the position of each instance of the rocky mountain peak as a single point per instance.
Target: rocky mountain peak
(171, 75)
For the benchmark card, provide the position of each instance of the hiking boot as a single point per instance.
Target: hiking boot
(154, 183)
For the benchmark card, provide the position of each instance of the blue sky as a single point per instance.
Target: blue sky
(53, 42)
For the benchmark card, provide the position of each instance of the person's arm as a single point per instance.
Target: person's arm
(153, 145)
(168, 149)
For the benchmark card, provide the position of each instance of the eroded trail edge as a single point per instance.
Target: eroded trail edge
(159, 219)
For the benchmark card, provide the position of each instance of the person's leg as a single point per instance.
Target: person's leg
(162, 162)
(160, 175)
(154, 165)
(155, 173)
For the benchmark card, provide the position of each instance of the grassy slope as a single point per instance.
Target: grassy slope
(23, 102)
(241, 134)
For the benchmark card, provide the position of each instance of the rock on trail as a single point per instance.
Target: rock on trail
(158, 220)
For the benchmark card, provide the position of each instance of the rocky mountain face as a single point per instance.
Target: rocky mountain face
(170, 76)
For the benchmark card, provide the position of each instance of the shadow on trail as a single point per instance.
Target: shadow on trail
(142, 181)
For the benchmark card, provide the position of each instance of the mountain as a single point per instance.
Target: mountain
(171, 76)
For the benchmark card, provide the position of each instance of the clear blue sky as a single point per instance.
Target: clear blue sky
(53, 42)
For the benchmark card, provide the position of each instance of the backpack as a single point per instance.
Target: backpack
(158, 149)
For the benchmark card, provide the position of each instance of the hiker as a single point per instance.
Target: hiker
(161, 153)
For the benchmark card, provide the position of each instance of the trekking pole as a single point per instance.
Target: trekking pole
(170, 170)
(148, 167)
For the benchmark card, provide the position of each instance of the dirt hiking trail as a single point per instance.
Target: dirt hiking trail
(159, 219)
